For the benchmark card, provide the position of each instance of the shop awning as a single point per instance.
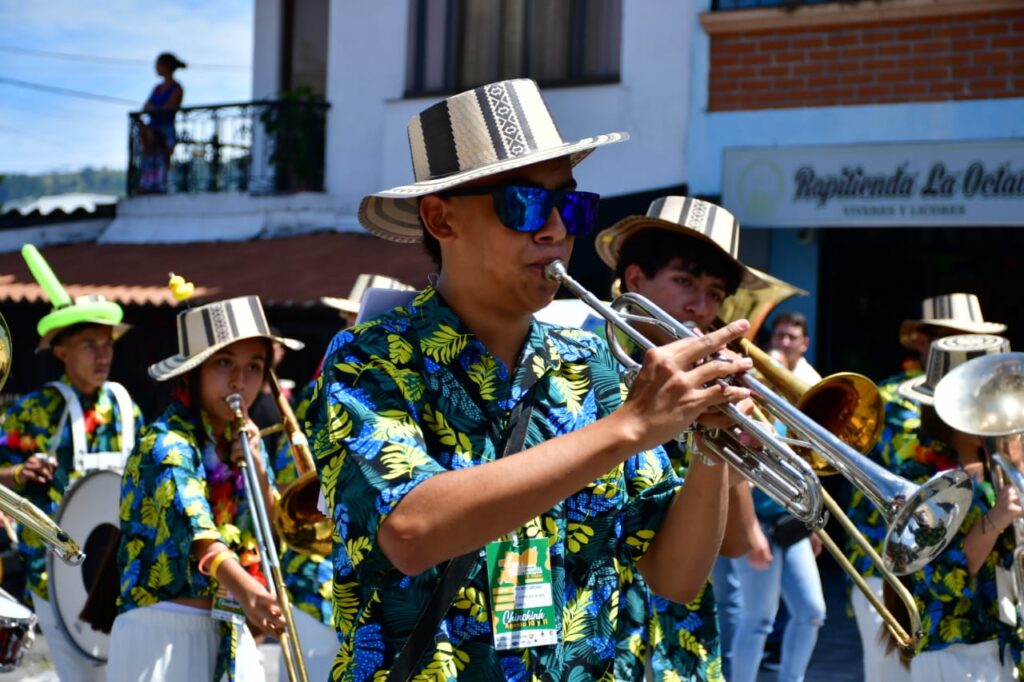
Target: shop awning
(289, 271)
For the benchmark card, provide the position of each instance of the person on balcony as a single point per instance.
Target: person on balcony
(158, 136)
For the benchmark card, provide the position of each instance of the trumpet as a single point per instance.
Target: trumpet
(291, 650)
(298, 522)
(921, 519)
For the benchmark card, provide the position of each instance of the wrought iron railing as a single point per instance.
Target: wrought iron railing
(262, 147)
(725, 5)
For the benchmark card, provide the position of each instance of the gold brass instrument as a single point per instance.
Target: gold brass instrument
(26, 513)
(985, 397)
(298, 522)
(921, 519)
(291, 650)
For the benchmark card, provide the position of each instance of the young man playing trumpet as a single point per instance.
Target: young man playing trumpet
(682, 256)
(416, 408)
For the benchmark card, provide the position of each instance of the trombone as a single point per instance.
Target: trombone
(298, 521)
(921, 519)
(291, 650)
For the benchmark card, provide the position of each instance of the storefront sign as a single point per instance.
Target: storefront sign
(877, 185)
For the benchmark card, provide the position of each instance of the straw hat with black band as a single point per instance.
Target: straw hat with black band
(945, 355)
(952, 312)
(363, 282)
(475, 134)
(685, 216)
(204, 330)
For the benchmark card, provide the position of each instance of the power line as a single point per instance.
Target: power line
(66, 91)
(111, 60)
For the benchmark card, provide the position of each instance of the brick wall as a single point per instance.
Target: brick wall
(960, 57)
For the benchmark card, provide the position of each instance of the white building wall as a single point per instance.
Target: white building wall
(367, 146)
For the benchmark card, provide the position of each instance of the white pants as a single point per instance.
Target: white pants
(963, 662)
(319, 647)
(878, 666)
(152, 644)
(71, 665)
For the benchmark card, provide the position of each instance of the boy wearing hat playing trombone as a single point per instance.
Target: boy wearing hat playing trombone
(451, 558)
(52, 436)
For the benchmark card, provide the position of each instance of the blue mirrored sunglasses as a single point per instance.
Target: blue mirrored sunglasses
(526, 209)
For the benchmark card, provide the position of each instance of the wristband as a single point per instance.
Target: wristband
(205, 561)
(16, 474)
(219, 559)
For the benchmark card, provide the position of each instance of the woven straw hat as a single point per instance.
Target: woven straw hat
(475, 134)
(959, 312)
(686, 216)
(204, 330)
(363, 282)
(946, 354)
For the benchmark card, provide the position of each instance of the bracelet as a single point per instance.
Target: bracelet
(219, 559)
(207, 558)
(16, 474)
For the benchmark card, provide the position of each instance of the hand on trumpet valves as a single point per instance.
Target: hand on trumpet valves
(1006, 509)
(675, 385)
(37, 469)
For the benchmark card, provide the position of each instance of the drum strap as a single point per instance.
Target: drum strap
(84, 460)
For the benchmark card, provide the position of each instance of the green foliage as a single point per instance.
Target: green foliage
(92, 180)
(298, 126)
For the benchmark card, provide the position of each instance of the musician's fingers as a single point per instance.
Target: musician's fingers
(718, 369)
(710, 343)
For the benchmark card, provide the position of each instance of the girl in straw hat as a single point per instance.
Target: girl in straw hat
(957, 594)
(189, 565)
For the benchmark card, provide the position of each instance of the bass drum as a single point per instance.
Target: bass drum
(90, 511)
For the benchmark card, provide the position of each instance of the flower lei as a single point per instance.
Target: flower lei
(227, 501)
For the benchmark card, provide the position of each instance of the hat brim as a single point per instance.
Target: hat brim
(609, 241)
(911, 389)
(46, 341)
(909, 328)
(394, 214)
(177, 364)
(345, 305)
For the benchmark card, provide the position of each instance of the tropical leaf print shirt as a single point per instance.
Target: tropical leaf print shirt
(956, 608)
(174, 492)
(413, 394)
(29, 426)
(897, 444)
(683, 639)
(306, 576)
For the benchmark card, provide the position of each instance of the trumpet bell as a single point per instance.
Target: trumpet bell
(299, 523)
(923, 524)
(849, 405)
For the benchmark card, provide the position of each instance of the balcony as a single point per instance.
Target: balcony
(261, 148)
(725, 5)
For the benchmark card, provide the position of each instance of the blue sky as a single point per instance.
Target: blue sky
(41, 131)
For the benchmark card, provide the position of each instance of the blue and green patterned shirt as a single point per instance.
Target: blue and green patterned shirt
(413, 394)
(28, 427)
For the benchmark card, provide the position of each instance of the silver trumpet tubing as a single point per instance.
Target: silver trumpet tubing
(291, 650)
(921, 520)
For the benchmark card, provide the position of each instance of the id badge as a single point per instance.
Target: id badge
(519, 581)
(226, 608)
(1007, 598)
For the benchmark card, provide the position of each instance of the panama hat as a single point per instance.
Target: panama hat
(204, 330)
(471, 135)
(363, 282)
(945, 355)
(689, 217)
(959, 312)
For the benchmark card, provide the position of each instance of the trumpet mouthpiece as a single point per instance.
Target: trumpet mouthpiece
(554, 270)
(234, 401)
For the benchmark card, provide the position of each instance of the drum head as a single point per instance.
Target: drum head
(89, 513)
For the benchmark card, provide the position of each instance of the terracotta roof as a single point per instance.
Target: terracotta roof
(283, 271)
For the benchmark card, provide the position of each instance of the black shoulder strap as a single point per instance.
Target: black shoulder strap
(455, 573)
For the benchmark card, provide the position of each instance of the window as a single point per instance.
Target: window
(455, 45)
